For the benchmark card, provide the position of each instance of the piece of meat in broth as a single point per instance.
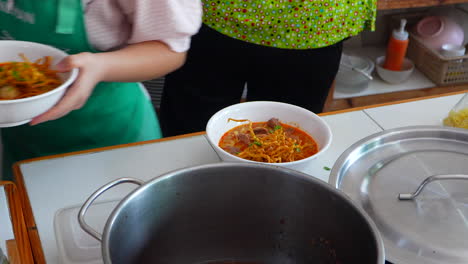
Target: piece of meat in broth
(273, 122)
(260, 131)
(244, 138)
(9, 92)
(233, 150)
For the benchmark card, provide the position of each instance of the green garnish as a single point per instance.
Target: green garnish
(326, 168)
(298, 150)
(277, 127)
(17, 76)
(257, 143)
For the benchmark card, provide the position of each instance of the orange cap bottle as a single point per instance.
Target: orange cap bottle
(396, 48)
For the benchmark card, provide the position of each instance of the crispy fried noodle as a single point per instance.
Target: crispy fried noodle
(26, 78)
(271, 142)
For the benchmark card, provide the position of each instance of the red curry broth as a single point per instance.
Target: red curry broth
(239, 138)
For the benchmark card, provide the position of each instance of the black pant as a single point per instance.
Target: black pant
(218, 66)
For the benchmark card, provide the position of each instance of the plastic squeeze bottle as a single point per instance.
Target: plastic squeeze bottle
(396, 49)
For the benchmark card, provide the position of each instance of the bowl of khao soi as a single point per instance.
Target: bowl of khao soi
(29, 85)
(268, 132)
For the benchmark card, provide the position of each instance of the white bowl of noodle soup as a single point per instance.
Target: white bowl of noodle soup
(16, 112)
(262, 111)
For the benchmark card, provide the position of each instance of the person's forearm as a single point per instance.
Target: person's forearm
(139, 62)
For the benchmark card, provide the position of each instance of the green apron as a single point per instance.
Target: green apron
(116, 113)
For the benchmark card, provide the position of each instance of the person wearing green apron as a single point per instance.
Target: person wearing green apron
(281, 50)
(115, 112)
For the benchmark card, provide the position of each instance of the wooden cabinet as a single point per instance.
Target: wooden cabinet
(363, 101)
(395, 4)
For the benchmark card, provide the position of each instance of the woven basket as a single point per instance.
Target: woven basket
(439, 69)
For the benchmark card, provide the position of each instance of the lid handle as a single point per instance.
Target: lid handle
(411, 196)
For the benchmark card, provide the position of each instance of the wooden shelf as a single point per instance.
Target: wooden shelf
(341, 104)
(396, 4)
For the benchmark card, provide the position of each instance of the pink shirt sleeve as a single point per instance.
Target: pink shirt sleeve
(115, 23)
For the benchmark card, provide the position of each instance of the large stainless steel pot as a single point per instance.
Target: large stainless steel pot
(225, 212)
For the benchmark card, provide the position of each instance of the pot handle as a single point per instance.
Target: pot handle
(93, 197)
(411, 196)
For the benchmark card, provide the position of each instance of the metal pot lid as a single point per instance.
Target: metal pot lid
(433, 226)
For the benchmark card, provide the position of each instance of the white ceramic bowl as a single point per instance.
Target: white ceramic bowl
(394, 77)
(451, 50)
(20, 111)
(262, 111)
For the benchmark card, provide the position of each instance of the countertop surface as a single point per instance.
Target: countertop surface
(417, 79)
(63, 183)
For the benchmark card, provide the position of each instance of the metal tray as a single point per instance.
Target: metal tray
(430, 227)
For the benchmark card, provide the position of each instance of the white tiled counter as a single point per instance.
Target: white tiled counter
(347, 128)
(420, 112)
(74, 178)
(64, 182)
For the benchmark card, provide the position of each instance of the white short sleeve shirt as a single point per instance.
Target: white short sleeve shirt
(111, 24)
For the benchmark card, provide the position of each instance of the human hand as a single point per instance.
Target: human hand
(90, 72)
